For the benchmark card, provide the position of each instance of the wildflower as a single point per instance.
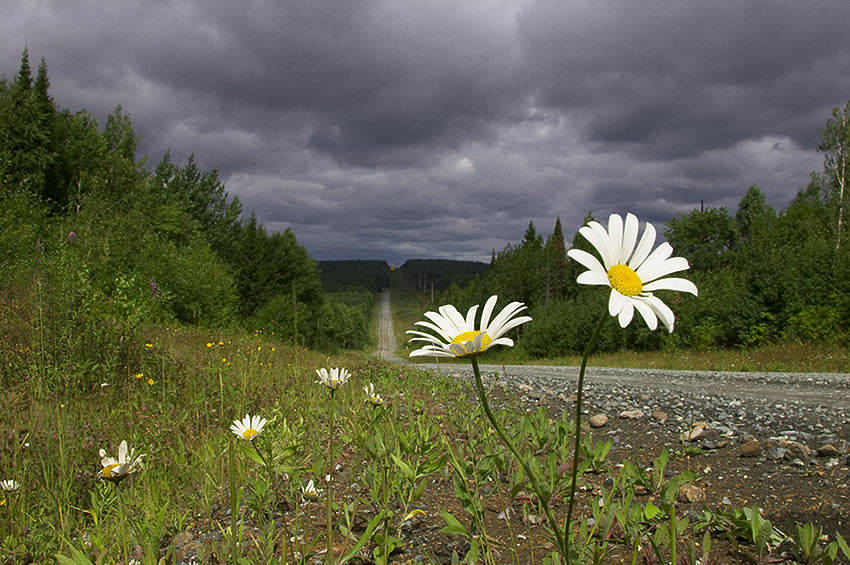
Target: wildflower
(151, 382)
(221, 343)
(371, 397)
(148, 345)
(333, 379)
(633, 273)
(10, 485)
(459, 336)
(249, 427)
(209, 344)
(309, 492)
(116, 470)
(139, 375)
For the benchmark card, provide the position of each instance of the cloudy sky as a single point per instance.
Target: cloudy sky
(396, 129)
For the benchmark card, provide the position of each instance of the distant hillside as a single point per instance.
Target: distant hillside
(349, 274)
(422, 273)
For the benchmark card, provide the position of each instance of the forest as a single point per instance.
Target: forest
(96, 243)
(765, 276)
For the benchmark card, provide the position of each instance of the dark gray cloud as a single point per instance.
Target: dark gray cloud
(398, 129)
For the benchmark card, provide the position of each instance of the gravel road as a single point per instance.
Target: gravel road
(804, 406)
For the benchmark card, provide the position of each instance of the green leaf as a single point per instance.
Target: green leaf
(364, 537)
(650, 511)
(842, 544)
(405, 468)
(453, 526)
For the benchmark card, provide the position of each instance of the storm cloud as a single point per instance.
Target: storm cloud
(402, 129)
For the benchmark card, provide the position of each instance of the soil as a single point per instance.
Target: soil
(776, 440)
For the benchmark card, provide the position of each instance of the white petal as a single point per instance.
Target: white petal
(453, 320)
(500, 320)
(644, 247)
(592, 277)
(615, 233)
(430, 351)
(488, 311)
(626, 314)
(443, 332)
(511, 324)
(630, 233)
(661, 253)
(672, 283)
(598, 237)
(502, 341)
(122, 452)
(587, 260)
(646, 312)
(470, 318)
(661, 310)
(649, 273)
(616, 302)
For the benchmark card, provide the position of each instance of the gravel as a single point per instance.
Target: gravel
(809, 407)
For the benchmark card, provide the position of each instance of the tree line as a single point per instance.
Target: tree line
(96, 244)
(765, 276)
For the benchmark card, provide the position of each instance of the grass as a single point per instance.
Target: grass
(175, 402)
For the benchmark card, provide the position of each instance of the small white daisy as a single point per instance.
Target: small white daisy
(309, 492)
(371, 397)
(116, 470)
(10, 485)
(633, 273)
(249, 427)
(457, 336)
(334, 378)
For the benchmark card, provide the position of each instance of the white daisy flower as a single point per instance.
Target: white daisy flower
(457, 336)
(371, 397)
(309, 492)
(116, 470)
(632, 272)
(10, 485)
(249, 427)
(334, 378)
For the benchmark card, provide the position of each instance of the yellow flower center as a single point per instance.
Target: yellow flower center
(107, 471)
(625, 280)
(469, 336)
(250, 433)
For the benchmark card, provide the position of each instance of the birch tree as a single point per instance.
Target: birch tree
(835, 146)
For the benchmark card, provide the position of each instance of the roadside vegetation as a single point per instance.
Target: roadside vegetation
(140, 305)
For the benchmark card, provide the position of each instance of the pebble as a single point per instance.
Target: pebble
(751, 449)
(598, 420)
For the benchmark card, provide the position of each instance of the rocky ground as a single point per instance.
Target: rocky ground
(777, 440)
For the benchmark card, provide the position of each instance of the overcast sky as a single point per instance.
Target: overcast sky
(396, 129)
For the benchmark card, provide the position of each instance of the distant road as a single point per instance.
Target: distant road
(386, 336)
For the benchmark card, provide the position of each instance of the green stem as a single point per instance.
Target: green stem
(123, 525)
(579, 397)
(330, 554)
(234, 505)
(535, 484)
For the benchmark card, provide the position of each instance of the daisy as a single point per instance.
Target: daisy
(374, 399)
(249, 428)
(10, 485)
(116, 470)
(309, 492)
(457, 336)
(632, 272)
(334, 378)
